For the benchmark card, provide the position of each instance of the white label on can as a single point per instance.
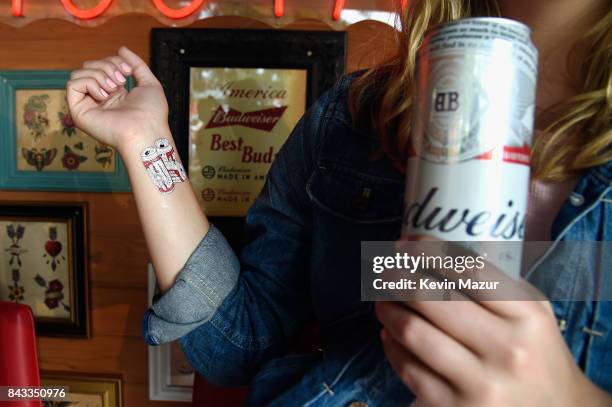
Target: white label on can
(475, 200)
(472, 201)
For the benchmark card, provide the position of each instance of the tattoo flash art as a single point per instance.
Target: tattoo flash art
(162, 165)
(72, 160)
(16, 291)
(35, 115)
(54, 292)
(53, 248)
(39, 159)
(15, 249)
(104, 154)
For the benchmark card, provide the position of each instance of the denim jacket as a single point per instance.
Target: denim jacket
(237, 317)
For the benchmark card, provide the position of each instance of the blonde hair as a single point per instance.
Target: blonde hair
(580, 137)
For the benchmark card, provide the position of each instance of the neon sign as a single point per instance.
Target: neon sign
(102, 6)
(17, 8)
(180, 13)
(86, 14)
(278, 8)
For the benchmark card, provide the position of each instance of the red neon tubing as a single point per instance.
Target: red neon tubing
(89, 13)
(178, 13)
(17, 8)
(338, 6)
(279, 8)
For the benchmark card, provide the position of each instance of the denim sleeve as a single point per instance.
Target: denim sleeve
(270, 300)
(208, 276)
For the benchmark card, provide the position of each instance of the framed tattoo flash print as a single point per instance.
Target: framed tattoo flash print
(40, 148)
(235, 96)
(43, 264)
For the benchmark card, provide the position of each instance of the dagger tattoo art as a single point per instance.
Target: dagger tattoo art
(15, 249)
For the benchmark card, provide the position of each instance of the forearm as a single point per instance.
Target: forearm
(173, 222)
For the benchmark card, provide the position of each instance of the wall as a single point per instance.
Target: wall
(117, 252)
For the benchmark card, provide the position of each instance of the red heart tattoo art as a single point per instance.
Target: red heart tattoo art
(53, 248)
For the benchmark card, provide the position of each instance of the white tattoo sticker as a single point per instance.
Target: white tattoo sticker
(163, 167)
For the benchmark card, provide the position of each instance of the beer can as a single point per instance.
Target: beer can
(467, 173)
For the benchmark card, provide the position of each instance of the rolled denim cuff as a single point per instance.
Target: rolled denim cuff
(209, 274)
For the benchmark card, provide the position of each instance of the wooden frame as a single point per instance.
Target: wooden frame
(174, 52)
(107, 389)
(65, 177)
(44, 264)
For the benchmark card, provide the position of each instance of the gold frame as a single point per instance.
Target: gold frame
(109, 387)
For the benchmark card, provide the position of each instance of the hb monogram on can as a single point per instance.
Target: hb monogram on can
(468, 166)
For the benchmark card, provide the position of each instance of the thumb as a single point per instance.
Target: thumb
(140, 70)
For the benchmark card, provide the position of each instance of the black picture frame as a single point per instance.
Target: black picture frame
(75, 214)
(175, 50)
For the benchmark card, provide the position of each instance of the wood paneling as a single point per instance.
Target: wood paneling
(58, 44)
(117, 251)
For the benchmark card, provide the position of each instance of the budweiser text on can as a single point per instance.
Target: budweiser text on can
(468, 167)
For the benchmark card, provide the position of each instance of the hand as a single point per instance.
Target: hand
(100, 105)
(488, 353)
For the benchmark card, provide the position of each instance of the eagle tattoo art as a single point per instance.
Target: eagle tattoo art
(39, 159)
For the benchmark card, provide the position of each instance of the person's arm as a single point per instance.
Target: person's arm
(173, 222)
(227, 336)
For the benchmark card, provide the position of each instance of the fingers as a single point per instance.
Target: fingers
(98, 79)
(113, 68)
(494, 300)
(110, 74)
(100, 76)
(429, 388)
(83, 94)
(78, 88)
(520, 309)
(140, 70)
(438, 351)
(458, 319)
(110, 64)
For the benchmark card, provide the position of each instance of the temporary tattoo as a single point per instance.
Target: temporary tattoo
(71, 160)
(35, 115)
(53, 248)
(53, 294)
(15, 249)
(104, 154)
(163, 167)
(39, 159)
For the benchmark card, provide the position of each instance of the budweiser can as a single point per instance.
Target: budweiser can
(468, 166)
